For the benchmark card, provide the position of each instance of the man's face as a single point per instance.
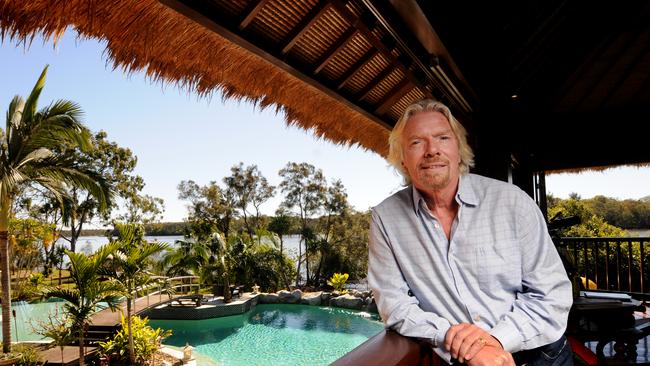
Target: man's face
(431, 155)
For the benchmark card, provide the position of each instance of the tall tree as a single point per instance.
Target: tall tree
(304, 188)
(335, 207)
(250, 188)
(211, 208)
(89, 289)
(29, 154)
(116, 165)
(130, 267)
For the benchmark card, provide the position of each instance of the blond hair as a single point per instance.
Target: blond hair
(395, 152)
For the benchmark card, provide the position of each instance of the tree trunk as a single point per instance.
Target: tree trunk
(130, 328)
(299, 261)
(81, 345)
(5, 278)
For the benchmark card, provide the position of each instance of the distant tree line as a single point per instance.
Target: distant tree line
(601, 216)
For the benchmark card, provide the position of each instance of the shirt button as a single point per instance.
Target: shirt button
(435, 225)
(477, 318)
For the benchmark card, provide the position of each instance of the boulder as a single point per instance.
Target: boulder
(325, 298)
(311, 299)
(371, 305)
(286, 297)
(268, 298)
(347, 301)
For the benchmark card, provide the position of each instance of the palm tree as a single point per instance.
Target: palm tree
(129, 267)
(32, 149)
(90, 289)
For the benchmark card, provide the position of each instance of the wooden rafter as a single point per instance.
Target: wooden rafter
(301, 28)
(352, 71)
(393, 96)
(340, 8)
(340, 44)
(251, 12)
(363, 93)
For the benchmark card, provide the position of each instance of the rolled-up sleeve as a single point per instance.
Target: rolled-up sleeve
(398, 310)
(539, 313)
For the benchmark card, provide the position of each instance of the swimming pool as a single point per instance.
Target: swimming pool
(279, 334)
(29, 315)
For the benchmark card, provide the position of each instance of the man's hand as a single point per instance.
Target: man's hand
(491, 356)
(465, 340)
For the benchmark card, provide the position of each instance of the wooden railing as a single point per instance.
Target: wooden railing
(612, 264)
(389, 348)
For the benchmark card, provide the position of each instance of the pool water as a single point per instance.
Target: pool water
(31, 315)
(279, 334)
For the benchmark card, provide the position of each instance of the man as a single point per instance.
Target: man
(462, 260)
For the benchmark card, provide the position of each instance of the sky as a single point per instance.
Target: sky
(179, 136)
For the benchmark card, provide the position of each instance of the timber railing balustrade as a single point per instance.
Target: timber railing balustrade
(390, 349)
(613, 264)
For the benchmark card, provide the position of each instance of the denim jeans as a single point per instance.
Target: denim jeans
(557, 353)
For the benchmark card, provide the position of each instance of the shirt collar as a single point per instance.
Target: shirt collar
(465, 195)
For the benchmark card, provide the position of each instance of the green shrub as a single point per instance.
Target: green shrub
(29, 356)
(146, 341)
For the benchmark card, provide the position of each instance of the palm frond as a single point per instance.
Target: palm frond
(36, 155)
(14, 114)
(31, 103)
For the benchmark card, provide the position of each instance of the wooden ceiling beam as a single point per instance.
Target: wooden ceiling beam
(251, 12)
(301, 28)
(363, 93)
(352, 71)
(340, 44)
(340, 8)
(393, 96)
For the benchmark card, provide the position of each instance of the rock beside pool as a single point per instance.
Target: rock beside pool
(325, 297)
(371, 305)
(292, 297)
(313, 299)
(348, 301)
(269, 298)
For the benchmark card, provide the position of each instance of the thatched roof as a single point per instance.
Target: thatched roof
(144, 35)
(549, 84)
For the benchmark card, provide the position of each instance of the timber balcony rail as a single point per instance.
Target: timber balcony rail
(389, 348)
(612, 264)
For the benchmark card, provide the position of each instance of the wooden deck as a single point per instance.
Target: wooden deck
(70, 355)
(107, 317)
(103, 318)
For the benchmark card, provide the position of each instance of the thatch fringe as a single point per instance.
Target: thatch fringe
(594, 168)
(144, 35)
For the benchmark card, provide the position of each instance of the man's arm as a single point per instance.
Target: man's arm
(539, 314)
(398, 310)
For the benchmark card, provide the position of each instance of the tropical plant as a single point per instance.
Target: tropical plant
(29, 355)
(58, 328)
(337, 281)
(90, 289)
(129, 266)
(31, 153)
(146, 339)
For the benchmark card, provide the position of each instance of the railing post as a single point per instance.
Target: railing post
(641, 260)
(629, 264)
(618, 265)
(607, 253)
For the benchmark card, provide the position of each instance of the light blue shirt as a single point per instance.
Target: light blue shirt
(500, 270)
